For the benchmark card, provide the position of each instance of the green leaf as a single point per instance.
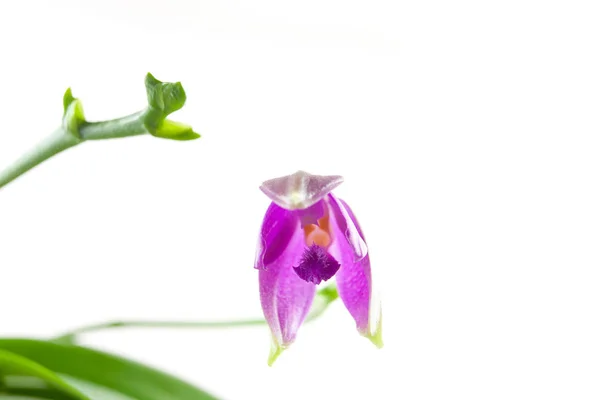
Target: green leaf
(16, 373)
(65, 340)
(104, 370)
(96, 391)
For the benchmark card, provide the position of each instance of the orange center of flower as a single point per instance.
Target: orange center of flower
(318, 234)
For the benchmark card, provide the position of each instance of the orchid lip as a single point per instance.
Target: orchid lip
(316, 265)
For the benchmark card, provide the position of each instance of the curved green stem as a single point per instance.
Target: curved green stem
(158, 324)
(323, 299)
(58, 141)
(61, 139)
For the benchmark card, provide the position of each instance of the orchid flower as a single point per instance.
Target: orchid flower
(308, 236)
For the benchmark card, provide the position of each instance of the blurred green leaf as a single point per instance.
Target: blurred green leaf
(329, 293)
(96, 391)
(104, 370)
(65, 340)
(16, 373)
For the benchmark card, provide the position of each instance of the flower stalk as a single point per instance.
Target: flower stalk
(325, 296)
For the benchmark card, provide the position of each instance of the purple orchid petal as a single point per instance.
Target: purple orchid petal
(316, 265)
(300, 190)
(348, 227)
(354, 276)
(285, 298)
(277, 229)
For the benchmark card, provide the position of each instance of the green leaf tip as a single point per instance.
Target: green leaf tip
(67, 340)
(73, 115)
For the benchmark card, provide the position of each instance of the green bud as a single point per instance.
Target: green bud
(73, 116)
(165, 98)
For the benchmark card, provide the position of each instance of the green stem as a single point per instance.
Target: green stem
(58, 141)
(131, 125)
(61, 140)
(160, 324)
(323, 299)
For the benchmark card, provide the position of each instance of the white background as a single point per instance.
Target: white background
(467, 132)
